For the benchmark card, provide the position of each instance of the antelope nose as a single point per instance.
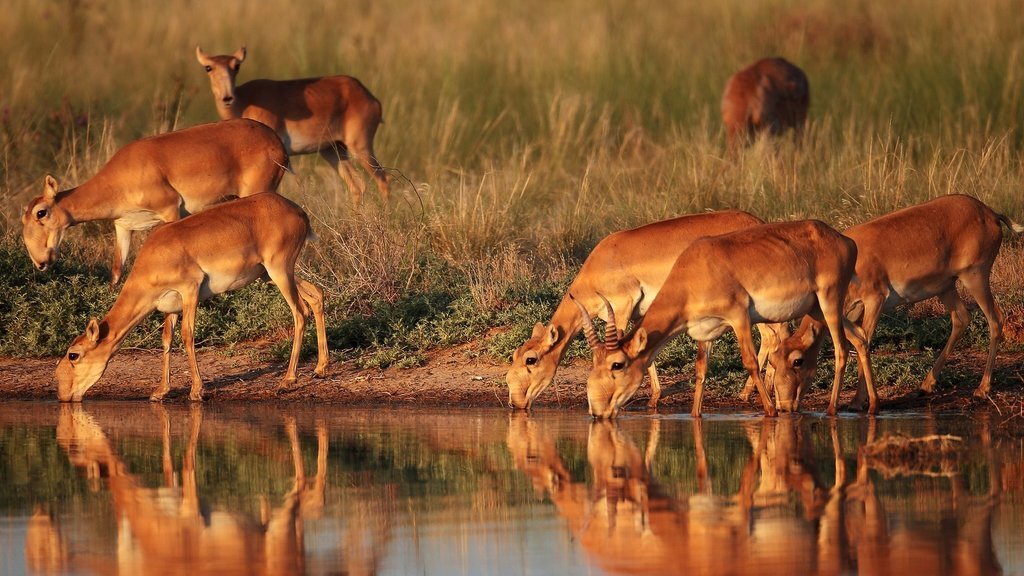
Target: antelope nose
(228, 99)
(41, 266)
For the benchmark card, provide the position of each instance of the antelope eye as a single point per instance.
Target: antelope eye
(530, 361)
(208, 68)
(798, 362)
(72, 356)
(40, 214)
(618, 365)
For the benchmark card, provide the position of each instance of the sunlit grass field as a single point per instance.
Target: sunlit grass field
(517, 135)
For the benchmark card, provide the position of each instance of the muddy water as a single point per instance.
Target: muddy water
(129, 488)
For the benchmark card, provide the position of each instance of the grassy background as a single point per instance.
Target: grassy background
(518, 135)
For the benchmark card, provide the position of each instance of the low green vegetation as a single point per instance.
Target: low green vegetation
(517, 136)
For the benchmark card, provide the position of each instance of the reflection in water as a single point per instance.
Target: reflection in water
(130, 489)
(170, 529)
(168, 526)
(628, 525)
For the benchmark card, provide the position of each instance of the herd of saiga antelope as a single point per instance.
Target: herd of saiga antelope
(698, 274)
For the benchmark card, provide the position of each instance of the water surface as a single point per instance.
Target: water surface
(133, 488)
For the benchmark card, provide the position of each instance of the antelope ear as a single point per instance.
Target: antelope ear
(240, 55)
(92, 331)
(50, 186)
(552, 336)
(538, 331)
(809, 331)
(638, 343)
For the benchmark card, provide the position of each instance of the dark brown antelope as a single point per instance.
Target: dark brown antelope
(771, 96)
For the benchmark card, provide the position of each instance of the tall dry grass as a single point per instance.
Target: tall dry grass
(518, 135)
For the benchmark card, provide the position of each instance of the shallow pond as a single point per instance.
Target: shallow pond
(130, 488)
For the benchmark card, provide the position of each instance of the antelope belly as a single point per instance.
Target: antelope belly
(902, 292)
(780, 309)
(218, 283)
(706, 329)
(168, 302)
(138, 220)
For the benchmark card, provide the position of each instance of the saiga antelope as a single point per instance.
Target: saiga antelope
(157, 179)
(336, 116)
(220, 249)
(904, 257)
(629, 268)
(768, 273)
(771, 95)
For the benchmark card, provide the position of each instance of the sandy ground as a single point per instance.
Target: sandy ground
(452, 378)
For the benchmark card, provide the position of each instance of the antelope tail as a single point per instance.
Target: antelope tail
(1011, 224)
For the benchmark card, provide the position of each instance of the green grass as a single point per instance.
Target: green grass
(518, 135)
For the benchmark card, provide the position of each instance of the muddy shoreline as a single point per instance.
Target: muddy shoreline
(451, 378)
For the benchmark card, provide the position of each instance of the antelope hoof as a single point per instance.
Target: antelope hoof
(831, 410)
(286, 385)
(196, 396)
(320, 372)
(157, 396)
(981, 394)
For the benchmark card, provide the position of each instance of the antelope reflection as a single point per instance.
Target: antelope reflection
(170, 530)
(879, 543)
(783, 516)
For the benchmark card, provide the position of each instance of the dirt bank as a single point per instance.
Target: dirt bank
(452, 378)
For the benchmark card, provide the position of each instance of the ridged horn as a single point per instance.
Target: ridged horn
(588, 324)
(611, 333)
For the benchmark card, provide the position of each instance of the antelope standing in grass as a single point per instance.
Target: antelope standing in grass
(629, 268)
(336, 116)
(771, 95)
(220, 249)
(157, 179)
(904, 257)
(768, 273)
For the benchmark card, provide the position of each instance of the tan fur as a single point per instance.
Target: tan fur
(336, 116)
(172, 528)
(625, 522)
(157, 179)
(904, 257)
(628, 268)
(220, 249)
(770, 273)
(771, 95)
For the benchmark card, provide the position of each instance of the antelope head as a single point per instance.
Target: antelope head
(43, 225)
(222, 71)
(795, 360)
(617, 371)
(84, 362)
(533, 366)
